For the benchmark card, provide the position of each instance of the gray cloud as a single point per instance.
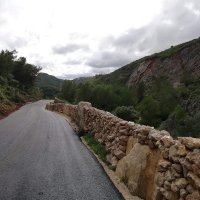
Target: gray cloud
(179, 22)
(108, 59)
(75, 75)
(16, 42)
(73, 62)
(70, 48)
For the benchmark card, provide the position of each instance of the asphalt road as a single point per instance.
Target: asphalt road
(42, 158)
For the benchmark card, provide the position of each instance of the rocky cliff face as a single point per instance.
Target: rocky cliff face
(173, 64)
(174, 67)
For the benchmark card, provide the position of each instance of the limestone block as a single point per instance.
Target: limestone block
(142, 130)
(183, 193)
(189, 142)
(167, 141)
(178, 168)
(181, 183)
(119, 154)
(167, 185)
(190, 189)
(155, 135)
(139, 169)
(170, 195)
(163, 165)
(194, 157)
(112, 160)
(169, 176)
(160, 179)
(177, 150)
(194, 196)
(165, 153)
(195, 179)
(122, 148)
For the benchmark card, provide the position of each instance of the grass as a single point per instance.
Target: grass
(98, 148)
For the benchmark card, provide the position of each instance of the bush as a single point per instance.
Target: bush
(127, 113)
(181, 124)
(150, 112)
(175, 123)
(192, 125)
(159, 102)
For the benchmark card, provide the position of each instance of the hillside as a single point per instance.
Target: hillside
(50, 85)
(17, 78)
(173, 63)
(161, 90)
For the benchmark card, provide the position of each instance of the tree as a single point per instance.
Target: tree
(140, 92)
(84, 92)
(7, 62)
(68, 91)
(25, 73)
(149, 111)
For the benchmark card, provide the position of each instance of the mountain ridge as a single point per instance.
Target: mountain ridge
(50, 85)
(185, 55)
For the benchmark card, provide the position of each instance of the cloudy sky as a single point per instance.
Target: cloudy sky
(73, 38)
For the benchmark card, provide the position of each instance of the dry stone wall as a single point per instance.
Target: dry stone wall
(153, 165)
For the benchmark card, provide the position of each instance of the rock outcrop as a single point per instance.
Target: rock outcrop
(152, 164)
(172, 67)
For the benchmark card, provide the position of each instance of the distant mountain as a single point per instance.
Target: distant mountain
(44, 80)
(173, 63)
(50, 85)
(180, 65)
(82, 79)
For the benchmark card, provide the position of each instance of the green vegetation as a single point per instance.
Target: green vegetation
(127, 113)
(160, 100)
(17, 78)
(184, 120)
(159, 105)
(98, 148)
(102, 96)
(49, 85)
(156, 103)
(121, 75)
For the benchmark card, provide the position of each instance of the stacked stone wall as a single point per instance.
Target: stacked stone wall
(149, 161)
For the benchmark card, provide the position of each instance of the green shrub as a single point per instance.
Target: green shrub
(175, 123)
(127, 113)
(192, 125)
(150, 111)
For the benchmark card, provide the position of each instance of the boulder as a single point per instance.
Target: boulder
(138, 168)
(189, 142)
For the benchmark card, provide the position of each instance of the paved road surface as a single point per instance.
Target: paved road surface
(41, 158)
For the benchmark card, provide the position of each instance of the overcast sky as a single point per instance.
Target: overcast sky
(73, 38)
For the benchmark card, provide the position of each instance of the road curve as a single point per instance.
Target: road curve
(42, 158)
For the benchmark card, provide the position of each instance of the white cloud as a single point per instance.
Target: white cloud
(79, 37)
